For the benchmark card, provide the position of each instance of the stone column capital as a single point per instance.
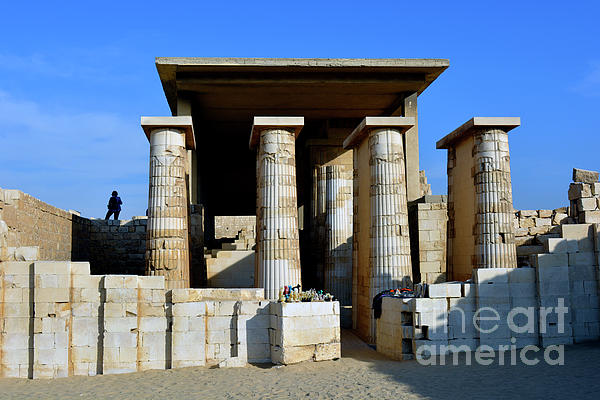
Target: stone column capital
(182, 123)
(475, 124)
(401, 124)
(261, 123)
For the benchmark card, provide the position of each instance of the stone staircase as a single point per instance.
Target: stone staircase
(232, 266)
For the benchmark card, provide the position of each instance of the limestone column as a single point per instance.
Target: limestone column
(167, 251)
(317, 222)
(480, 208)
(338, 253)
(382, 260)
(277, 246)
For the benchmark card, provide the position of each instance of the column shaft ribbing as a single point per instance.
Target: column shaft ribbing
(167, 236)
(338, 254)
(495, 244)
(278, 251)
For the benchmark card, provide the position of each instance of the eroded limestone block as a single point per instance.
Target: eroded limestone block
(585, 176)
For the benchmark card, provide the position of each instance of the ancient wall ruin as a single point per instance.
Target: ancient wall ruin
(57, 320)
(33, 230)
(428, 229)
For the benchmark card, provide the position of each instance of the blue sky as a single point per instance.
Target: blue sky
(76, 77)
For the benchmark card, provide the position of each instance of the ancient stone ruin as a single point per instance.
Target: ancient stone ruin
(303, 173)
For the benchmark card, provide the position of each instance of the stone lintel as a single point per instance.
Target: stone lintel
(181, 122)
(504, 123)
(261, 123)
(401, 123)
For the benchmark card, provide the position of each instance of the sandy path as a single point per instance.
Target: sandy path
(360, 374)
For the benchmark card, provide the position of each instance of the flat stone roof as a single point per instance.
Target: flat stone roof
(236, 89)
(504, 123)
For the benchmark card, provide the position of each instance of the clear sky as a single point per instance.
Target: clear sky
(75, 77)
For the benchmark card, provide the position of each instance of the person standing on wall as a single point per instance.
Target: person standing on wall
(114, 205)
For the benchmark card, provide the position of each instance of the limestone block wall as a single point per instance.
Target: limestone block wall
(228, 226)
(116, 246)
(57, 320)
(305, 331)
(110, 246)
(31, 222)
(584, 197)
(428, 218)
(534, 227)
(566, 275)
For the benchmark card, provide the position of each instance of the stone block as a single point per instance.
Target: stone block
(585, 176)
(553, 274)
(521, 275)
(194, 309)
(491, 275)
(579, 190)
(577, 231)
(582, 259)
(327, 351)
(86, 281)
(586, 204)
(121, 295)
(556, 245)
(492, 289)
(16, 267)
(27, 253)
(559, 218)
(551, 260)
(52, 267)
(151, 282)
(543, 222)
(462, 303)
(544, 213)
(589, 217)
(427, 305)
(468, 290)
(527, 213)
(121, 324)
(80, 268)
(47, 295)
(527, 290)
(153, 324)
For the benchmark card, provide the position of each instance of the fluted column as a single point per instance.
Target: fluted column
(390, 253)
(495, 232)
(338, 253)
(480, 209)
(167, 251)
(319, 229)
(277, 247)
(381, 234)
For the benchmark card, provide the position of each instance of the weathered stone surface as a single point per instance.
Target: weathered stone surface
(579, 190)
(582, 175)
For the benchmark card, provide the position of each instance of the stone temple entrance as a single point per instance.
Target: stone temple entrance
(223, 96)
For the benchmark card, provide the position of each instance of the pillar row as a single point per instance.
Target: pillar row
(277, 247)
(167, 251)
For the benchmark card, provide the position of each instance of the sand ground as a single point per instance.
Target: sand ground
(361, 373)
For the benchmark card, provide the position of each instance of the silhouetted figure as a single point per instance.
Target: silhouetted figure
(114, 205)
